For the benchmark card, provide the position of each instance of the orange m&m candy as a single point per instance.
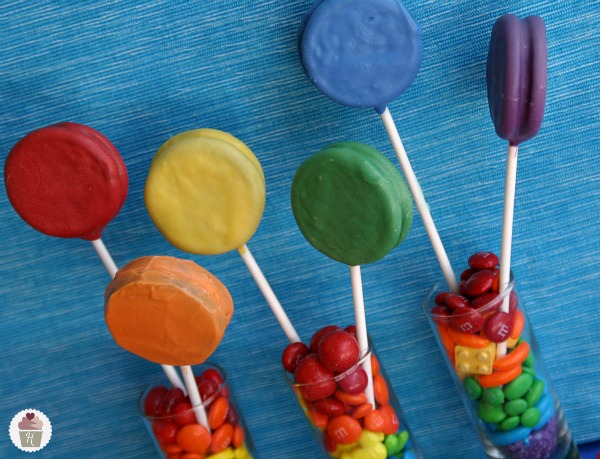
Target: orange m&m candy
(344, 429)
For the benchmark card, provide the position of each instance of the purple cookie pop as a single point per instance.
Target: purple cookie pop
(516, 86)
(516, 77)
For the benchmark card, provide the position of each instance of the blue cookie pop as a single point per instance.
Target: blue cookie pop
(364, 54)
(360, 53)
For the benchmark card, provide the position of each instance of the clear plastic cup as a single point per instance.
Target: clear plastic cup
(345, 425)
(510, 401)
(173, 424)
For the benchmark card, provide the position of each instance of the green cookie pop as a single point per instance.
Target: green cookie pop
(351, 203)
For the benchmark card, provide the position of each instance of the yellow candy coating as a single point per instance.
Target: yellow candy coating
(368, 438)
(205, 192)
(225, 454)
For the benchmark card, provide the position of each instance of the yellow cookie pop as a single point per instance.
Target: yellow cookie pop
(205, 192)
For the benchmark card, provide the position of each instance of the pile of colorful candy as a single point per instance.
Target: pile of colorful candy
(176, 430)
(510, 399)
(330, 384)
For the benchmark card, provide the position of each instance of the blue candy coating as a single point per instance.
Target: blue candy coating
(510, 436)
(546, 407)
(361, 53)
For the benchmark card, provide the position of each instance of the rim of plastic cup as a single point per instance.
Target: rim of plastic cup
(441, 286)
(289, 377)
(160, 381)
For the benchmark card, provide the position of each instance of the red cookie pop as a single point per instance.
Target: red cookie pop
(516, 84)
(67, 180)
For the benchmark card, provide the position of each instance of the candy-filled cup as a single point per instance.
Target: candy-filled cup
(173, 426)
(343, 422)
(510, 400)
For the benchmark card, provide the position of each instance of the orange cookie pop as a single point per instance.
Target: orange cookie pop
(169, 311)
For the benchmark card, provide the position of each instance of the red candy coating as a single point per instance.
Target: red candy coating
(441, 315)
(483, 260)
(319, 335)
(338, 351)
(184, 414)
(66, 180)
(173, 397)
(165, 431)
(292, 354)
(486, 300)
(315, 379)
(454, 301)
(498, 327)
(355, 382)
(467, 320)
(480, 282)
(154, 401)
(330, 407)
(466, 274)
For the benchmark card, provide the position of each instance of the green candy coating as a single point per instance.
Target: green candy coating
(490, 413)
(530, 417)
(529, 361)
(529, 371)
(509, 423)
(472, 387)
(515, 407)
(493, 396)
(351, 203)
(518, 387)
(391, 444)
(395, 443)
(535, 393)
(402, 440)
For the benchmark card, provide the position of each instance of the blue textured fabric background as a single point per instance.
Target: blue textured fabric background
(140, 72)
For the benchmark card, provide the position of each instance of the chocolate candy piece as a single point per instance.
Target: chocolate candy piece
(360, 53)
(518, 387)
(467, 320)
(483, 260)
(454, 301)
(480, 282)
(498, 327)
(516, 76)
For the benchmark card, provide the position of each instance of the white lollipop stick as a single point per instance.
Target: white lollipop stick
(195, 400)
(510, 185)
(107, 260)
(111, 267)
(361, 328)
(419, 198)
(269, 295)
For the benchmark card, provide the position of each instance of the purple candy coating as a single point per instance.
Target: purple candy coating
(539, 445)
(516, 76)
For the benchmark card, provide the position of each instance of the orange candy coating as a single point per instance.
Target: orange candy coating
(344, 429)
(194, 438)
(217, 412)
(167, 310)
(221, 438)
